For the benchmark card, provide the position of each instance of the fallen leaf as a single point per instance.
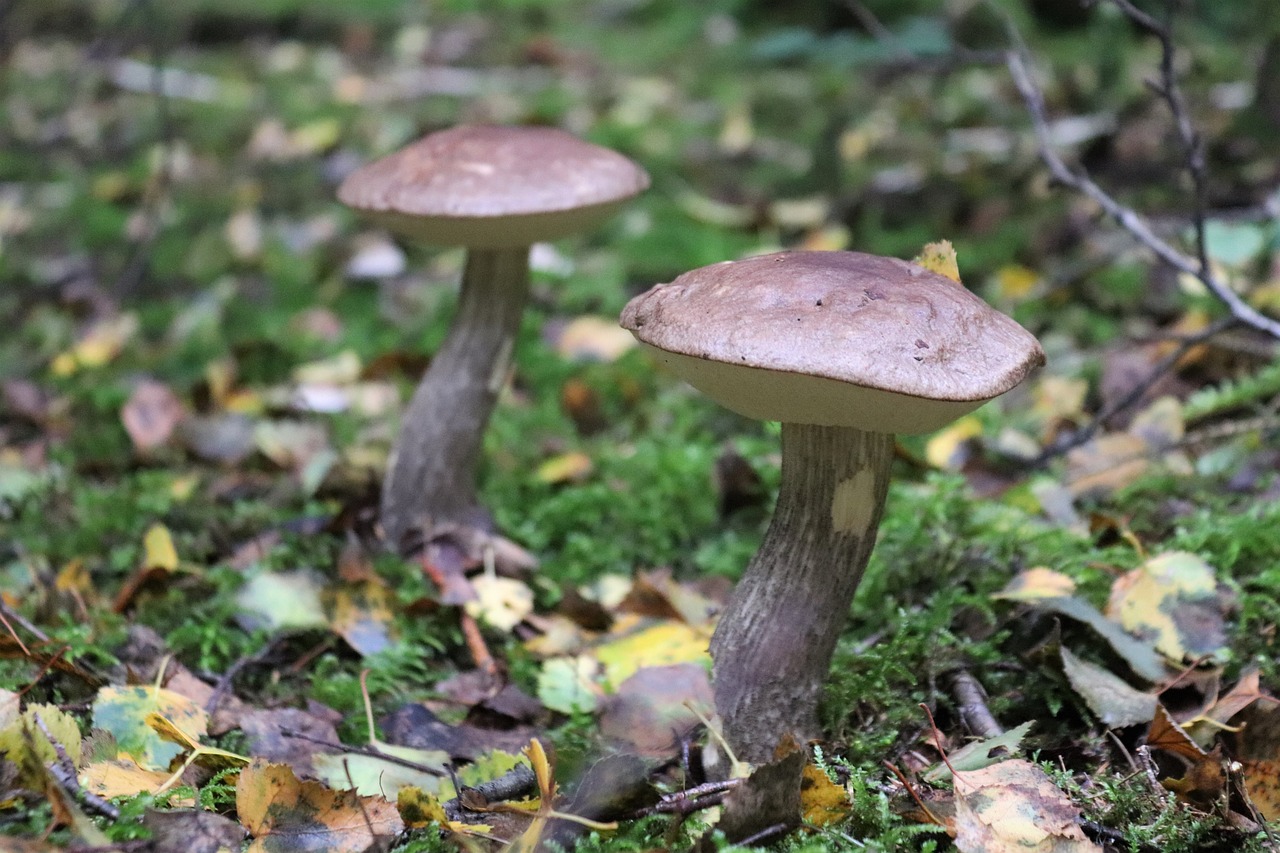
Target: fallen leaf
(121, 777)
(1112, 699)
(1167, 735)
(591, 338)
(158, 551)
(282, 812)
(979, 754)
(1035, 584)
(24, 744)
(100, 344)
(567, 684)
(360, 613)
(123, 711)
(151, 415)
(371, 774)
(940, 257)
(822, 802)
(1141, 656)
(1014, 806)
(500, 602)
(944, 449)
(283, 600)
(656, 645)
(654, 708)
(572, 467)
(1173, 600)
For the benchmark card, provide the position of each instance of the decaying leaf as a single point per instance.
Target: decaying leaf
(1014, 806)
(822, 802)
(27, 746)
(124, 712)
(591, 338)
(1174, 601)
(655, 707)
(284, 599)
(1141, 656)
(282, 812)
(1037, 583)
(361, 614)
(656, 645)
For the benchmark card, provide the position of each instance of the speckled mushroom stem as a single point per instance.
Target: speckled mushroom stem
(431, 475)
(773, 645)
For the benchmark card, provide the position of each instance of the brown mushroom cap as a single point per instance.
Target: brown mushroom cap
(489, 186)
(834, 339)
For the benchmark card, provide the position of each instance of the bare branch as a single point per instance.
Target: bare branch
(1129, 219)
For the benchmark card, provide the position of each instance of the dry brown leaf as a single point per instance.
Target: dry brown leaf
(1167, 735)
(151, 414)
(282, 812)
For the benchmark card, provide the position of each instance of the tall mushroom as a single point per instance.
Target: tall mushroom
(845, 349)
(496, 191)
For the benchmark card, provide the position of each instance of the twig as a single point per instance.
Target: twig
(516, 782)
(1129, 219)
(767, 832)
(971, 699)
(23, 622)
(64, 770)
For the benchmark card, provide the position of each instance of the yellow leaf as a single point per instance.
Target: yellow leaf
(940, 257)
(822, 802)
(121, 777)
(942, 450)
(591, 338)
(1014, 806)
(1014, 282)
(1037, 583)
(158, 549)
(282, 812)
(102, 343)
(1172, 600)
(574, 466)
(665, 643)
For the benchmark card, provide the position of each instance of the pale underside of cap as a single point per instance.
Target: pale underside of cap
(834, 338)
(493, 186)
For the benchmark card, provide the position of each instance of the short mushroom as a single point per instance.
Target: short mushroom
(495, 190)
(845, 349)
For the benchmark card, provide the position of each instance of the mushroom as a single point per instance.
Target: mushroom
(495, 190)
(845, 349)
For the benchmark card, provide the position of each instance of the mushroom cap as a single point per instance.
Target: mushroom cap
(833, 339)
(490, 186)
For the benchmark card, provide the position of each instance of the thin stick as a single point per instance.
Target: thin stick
(971, 701)
(1129, 219)
(64, 770)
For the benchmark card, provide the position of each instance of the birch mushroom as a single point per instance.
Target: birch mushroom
(845, 349)
(496, 191)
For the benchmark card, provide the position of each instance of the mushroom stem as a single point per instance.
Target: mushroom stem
(773, 645)
(431, 474)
